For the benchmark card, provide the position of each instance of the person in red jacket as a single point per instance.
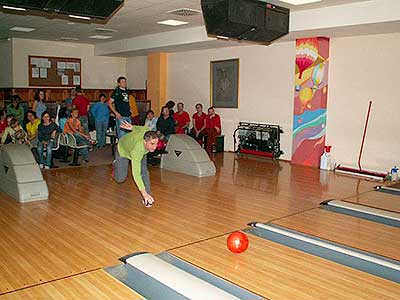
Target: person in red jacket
(82, 104)
(213, 129)
(199, 124)
(182, 120)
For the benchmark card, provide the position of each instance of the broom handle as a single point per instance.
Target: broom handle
(364, 134)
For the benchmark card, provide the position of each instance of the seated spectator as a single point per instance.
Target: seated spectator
(46, 140)
(3, 122)
(19, 136)
(62, 117)
(151, 121)
(165, 123)
(39, 107)
(101, 115)
(6, 138)
(74, 127)
(68, 102)
(213, 129)
(182, 120)
(199, 124)
(170, 104)
(32, 127)
(15, 109)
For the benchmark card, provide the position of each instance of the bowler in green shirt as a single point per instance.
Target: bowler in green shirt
(133, 147)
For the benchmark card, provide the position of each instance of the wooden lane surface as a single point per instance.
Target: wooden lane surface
(377, 200)
(352, 231)
(277, 272)
(96, 285)
(90, 221)
(294, 181)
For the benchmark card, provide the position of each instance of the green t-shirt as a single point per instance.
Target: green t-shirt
(121, 102)
(131, 146)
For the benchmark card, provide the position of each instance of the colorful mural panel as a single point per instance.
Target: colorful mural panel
(310, 100)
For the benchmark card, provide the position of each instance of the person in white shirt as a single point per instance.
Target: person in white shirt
(151, 121)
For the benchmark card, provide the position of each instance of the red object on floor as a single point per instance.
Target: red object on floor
(360, 171)
(255, 152)
(237, 242)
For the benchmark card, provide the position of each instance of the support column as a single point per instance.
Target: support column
(310, 100)
(157, 74)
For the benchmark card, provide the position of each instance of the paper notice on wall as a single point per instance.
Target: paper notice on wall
(35, 72)
(77, 67)
(43, 73)
(64, 79)
(46, 63)
(35, 61)
(77, 80)
(70, 66)
(60, 65)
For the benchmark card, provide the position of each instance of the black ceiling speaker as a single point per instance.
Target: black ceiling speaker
(248, 20)
(99, 9)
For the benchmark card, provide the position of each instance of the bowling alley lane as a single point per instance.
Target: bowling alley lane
(347, 230)
(274, 271)
(377, 200)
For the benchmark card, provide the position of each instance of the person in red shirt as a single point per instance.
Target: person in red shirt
(3, 122)
(82, 103)
(213, 129)
(182, 120)
(199, 124)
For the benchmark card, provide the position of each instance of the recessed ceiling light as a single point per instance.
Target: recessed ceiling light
(100, 37)
(299, 2)
(79, 17)
(172, 22)
(14, 8)
(22, 29)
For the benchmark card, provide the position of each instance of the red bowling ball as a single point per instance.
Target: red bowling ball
(237, 242)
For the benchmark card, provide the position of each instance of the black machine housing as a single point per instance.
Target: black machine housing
(262, 138)
(249, 20)
(99, 9)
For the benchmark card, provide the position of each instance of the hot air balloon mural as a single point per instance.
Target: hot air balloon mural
(306, 53)
(318, 75)
(310, 100)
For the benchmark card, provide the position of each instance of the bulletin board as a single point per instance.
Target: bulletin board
(54, 71)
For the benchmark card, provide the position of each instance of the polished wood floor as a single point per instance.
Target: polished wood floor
(343, 229)
(278, 272)
(90, 221)
(96, 285)
(377, 200)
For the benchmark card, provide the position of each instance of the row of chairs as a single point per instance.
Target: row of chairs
(68, 141)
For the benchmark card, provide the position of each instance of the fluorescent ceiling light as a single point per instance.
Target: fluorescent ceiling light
(299, 2)
(67, 38)
(22, 29)
(101, 29)
(14, 8)
(79, 17)
(222, 37)
(172, 22)
(100, 37)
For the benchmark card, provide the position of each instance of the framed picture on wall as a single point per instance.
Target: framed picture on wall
(225, 83)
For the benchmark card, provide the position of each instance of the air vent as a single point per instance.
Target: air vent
(99, 29)
(185, 12)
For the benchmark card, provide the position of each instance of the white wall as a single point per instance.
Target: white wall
(97, 71)
(361, 68)
(266, 76)
(136, 72)
(6, 79)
